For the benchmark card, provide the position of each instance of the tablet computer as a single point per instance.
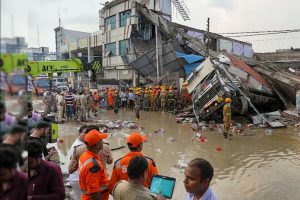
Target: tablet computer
(162, 185)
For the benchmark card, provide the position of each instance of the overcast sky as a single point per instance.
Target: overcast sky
(225, 15)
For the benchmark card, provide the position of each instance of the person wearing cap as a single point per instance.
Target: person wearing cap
(135, 145)
(227, 116)
(93, 179)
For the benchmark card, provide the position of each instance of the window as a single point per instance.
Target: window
(110, 49)
(123, 46)
(123, 17)
(111, 21)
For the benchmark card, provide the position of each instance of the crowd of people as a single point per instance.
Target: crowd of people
(131, 175)
(35, 176)
(82, 105)
(27, 169)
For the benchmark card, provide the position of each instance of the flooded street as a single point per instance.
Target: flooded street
(265, 165)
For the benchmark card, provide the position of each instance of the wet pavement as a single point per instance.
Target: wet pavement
(262, 165)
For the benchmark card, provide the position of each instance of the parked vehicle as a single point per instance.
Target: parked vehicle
(16, 82)
(58, 81)
(42, 85)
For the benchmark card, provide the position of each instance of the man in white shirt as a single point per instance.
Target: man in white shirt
(198, 176)
(60, 106)
(74, 177)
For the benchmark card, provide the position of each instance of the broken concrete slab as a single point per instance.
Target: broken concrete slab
(276, 124)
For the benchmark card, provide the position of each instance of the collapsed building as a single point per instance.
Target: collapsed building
(139, 44)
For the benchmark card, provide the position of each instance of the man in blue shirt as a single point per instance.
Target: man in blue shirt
(198, 176)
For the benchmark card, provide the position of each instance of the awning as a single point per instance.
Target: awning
(193, 61)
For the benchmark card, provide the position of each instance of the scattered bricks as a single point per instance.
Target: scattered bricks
(297, 125)
(250, 126)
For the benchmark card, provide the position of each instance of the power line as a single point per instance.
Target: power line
(266, 40)
(288, 30)
(269, 33)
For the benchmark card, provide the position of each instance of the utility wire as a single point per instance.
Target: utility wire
(259, 34)
(288, 30)
(266, 40)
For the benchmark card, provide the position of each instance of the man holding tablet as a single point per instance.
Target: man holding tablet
(135, 145)
(134, 188)
(198, 176)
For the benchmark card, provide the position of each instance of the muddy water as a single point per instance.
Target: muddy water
(261, 166)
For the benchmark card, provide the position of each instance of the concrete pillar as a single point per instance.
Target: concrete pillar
(158, 53)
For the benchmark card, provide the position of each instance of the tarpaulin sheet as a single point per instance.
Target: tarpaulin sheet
(190, 58)
(189, 68)
(192, 61)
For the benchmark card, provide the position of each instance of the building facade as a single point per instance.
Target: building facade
(134, 39)
(12, 45)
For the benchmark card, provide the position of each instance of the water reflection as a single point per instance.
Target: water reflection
(259, 166)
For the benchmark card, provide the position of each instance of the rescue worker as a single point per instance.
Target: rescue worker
(152, 101)
(227, 116)
(163, 99)
(138, 104)
(157, 97)
(93, 179)
(110, 99)
(146, 100)
(171, 100)
(184, 95)
(117, 101)
(135, 145)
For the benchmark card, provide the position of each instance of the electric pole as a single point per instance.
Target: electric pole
(207, 38)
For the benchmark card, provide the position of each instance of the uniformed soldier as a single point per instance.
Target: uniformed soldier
(47, 99)
(135, 145)
(93, 179)
(227, 116)
(138, 104)
(171, 100)
(146, 100)
(90, 102)
(83, 106)
(163, 99)
(117, 101)
(152, 100)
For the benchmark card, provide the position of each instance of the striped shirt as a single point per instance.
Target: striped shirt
(69, 99)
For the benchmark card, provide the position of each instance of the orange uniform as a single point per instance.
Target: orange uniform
(120, 170)
(92, 181)
(110, 98)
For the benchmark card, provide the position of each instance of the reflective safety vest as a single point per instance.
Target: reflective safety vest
(92, 176)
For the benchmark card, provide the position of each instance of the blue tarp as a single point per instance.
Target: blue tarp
(192, 60)
(189, 68)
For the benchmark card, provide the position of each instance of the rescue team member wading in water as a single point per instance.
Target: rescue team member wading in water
(93, 179)
(135, 145)
(227, 117)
